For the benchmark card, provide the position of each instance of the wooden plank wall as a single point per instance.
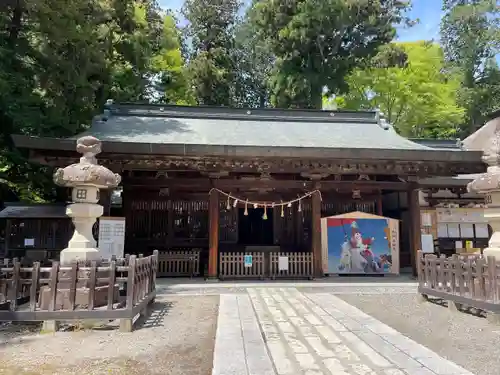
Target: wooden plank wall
(166, 223)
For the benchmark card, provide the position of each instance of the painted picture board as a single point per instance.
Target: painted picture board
(359, 243)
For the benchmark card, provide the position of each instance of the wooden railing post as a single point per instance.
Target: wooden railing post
(16, 281)
(127, 323)
(111, 284)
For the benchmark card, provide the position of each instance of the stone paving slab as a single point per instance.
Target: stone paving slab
(282, 331)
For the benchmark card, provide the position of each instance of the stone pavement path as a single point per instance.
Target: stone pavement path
(281, 331)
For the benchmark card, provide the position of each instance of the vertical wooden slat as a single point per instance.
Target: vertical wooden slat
(92, 284)
(112, 281)
(54, 275)
(16, 280)
(455, 263)
(492, 279)
(35, 276)
(131, 282)
(73, 280)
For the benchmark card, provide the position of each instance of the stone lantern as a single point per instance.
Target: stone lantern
(86, 178)
(489, 184)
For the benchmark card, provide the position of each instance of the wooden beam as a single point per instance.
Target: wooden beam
(380, 210)
(414, 227)
(228, 184)
(316, 235)
(213, 233)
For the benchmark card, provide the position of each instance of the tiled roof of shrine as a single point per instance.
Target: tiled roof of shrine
(242, 132)
(247, 127)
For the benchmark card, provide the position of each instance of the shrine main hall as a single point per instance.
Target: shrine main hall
(224, 180)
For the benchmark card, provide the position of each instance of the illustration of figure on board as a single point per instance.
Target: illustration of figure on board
(359, 246)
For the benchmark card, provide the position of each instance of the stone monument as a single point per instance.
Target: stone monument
(489, 184)
(86, 178)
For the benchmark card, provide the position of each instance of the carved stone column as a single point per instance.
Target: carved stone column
(489, 184)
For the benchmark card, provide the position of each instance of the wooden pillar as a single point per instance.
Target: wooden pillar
(380, 211)
(316, 235)
(213, 234)
(105, 201)
(414, 227)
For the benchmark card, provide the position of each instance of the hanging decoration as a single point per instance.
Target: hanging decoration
(265, 205)
(246, 207)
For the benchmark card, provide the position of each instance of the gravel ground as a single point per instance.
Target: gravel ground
(177, 339)
(465, 339)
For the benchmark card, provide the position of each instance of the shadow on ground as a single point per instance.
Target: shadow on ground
(156, 318)
(464, 309)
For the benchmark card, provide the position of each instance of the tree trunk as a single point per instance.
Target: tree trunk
(316, 97)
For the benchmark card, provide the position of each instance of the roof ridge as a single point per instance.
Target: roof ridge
(211, 112)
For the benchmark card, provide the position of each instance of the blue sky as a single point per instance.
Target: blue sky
(428, 11)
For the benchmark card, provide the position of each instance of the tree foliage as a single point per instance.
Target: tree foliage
(418, 97)
(470, 35)
(61, 60)
(317, 43)
(212, 60)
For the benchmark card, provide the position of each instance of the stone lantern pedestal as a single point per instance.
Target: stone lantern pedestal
(489, 184)
(86, 178)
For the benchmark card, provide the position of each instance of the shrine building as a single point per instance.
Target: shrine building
(187, 173)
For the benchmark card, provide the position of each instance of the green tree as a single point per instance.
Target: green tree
(168, 65)
(61, 60)
(212, 63)
(418, 97)
(470, 35)
(253, 64)
(317, 43)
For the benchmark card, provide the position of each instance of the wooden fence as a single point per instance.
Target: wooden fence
(469, 280)
(232, 265)
(79, 292)
(179, 263)
(300, 265)
(262, 265)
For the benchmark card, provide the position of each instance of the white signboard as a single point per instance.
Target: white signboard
(29, 242)
(112, 237)
(283, 263)
(442, 230)
(460, 215)
(453, 230)
(482, 231)
(427, 243)
(426, 219)
(467, 230)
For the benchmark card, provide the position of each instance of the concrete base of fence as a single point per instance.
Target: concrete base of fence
(50, 326)
(493, 318)
(212, 279)
(422, 298)
(126, 325)
(453, 306)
